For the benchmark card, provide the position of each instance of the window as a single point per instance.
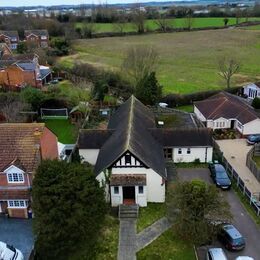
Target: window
(116, 190)
(43, 37)
(168, 153)
(179, 151)
(17, 203)
(127, 159)
(15, 177)
(140, 189)
(188, 150)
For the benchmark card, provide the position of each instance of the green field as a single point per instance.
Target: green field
(188, 61)
(175, 23)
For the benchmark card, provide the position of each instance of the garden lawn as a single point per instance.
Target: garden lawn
(188, 61)
(174, 23)
(148, 215)
(187, 108)
(63, 129)
(167, 247)
(257, 160)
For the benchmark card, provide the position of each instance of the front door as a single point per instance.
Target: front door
(129, 195)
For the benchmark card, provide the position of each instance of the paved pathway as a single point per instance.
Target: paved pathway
(235, 151)
(148, 235)
(127, 240)
(130, 242)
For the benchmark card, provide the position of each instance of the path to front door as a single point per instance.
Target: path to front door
(130, 242)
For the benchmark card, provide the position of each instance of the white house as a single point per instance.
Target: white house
(129, 156)
(252, 90)
(226, 111)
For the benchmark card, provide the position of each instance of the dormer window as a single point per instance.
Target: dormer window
(15, 177)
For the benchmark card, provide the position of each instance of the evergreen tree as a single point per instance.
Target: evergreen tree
(148, 90)
(69, 208)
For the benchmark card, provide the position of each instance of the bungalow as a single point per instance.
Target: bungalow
(38, 37)
(22, 147)
(252, 90)
(129, 156)
(227, 111)
(11, 38)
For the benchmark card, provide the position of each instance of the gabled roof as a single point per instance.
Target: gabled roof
(26, 65)
(227, 106)
(36, 32)
(20, 145)
(9, 33)
(183, 137)
(131, 122)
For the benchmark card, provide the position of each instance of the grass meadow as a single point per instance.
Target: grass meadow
(188, 61)
(175, 23)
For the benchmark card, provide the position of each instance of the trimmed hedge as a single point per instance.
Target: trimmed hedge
(175, 100)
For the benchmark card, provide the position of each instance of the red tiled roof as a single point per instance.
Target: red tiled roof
(21, 143)
(227, 106)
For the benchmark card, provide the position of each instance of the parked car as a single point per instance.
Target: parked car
(244, 258)
(231, 238)
(219, 176)
(253, 139)
(8, 252)
(216, 254)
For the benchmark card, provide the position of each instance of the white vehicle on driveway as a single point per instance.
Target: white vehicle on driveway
(8, 252)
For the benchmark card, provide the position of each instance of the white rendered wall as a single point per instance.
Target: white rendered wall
(89, 155)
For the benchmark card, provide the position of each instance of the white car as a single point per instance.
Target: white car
(244, 258)
(8, 252)
(216, 254)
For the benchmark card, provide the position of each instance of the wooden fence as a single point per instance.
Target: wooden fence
(253, 198)
(251, 164)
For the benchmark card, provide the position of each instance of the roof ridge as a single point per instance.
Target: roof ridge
(130, 123)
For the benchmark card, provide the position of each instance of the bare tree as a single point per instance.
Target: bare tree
(11, 108)
(120, 24)
(228, 66)
(88, 29)
(163, 23)
(138, 19)
(189, 20)
(139, 62)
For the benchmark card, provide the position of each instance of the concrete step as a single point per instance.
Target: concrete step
(128, 211)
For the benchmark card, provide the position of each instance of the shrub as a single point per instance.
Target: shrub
(256, 103)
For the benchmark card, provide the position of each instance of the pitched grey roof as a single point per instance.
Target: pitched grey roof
(131, 122)
(45, 73)
(30, 66)
(36, 32)
(93, 138)
(9, 33)
(183, 137)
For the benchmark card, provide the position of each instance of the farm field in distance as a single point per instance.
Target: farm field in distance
(188, 61)
(175, 23)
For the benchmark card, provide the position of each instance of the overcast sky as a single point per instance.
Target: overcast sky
(64, 2)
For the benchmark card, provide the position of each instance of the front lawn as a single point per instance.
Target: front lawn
(167, 247)
(148, 215)
(63, 129)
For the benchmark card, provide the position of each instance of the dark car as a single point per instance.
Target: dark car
(219, 176)
(253, 139)
(231, 238)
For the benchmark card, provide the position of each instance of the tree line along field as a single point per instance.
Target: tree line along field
(188, 61)
(175, 23)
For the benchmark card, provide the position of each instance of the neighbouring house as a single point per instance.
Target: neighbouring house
(129, 156)
(15, 74)
(38, 37)
(5, 52)
(227, 111)
(252, 90)
(22, 147)
(11, 38)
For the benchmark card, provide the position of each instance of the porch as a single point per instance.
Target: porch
(128, 189)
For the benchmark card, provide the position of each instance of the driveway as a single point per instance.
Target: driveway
(235, 151)
(242, 220)
(17, 232)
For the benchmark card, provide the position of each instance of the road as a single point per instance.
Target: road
(242, 219)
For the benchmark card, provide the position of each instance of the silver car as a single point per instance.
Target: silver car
(216, 254)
